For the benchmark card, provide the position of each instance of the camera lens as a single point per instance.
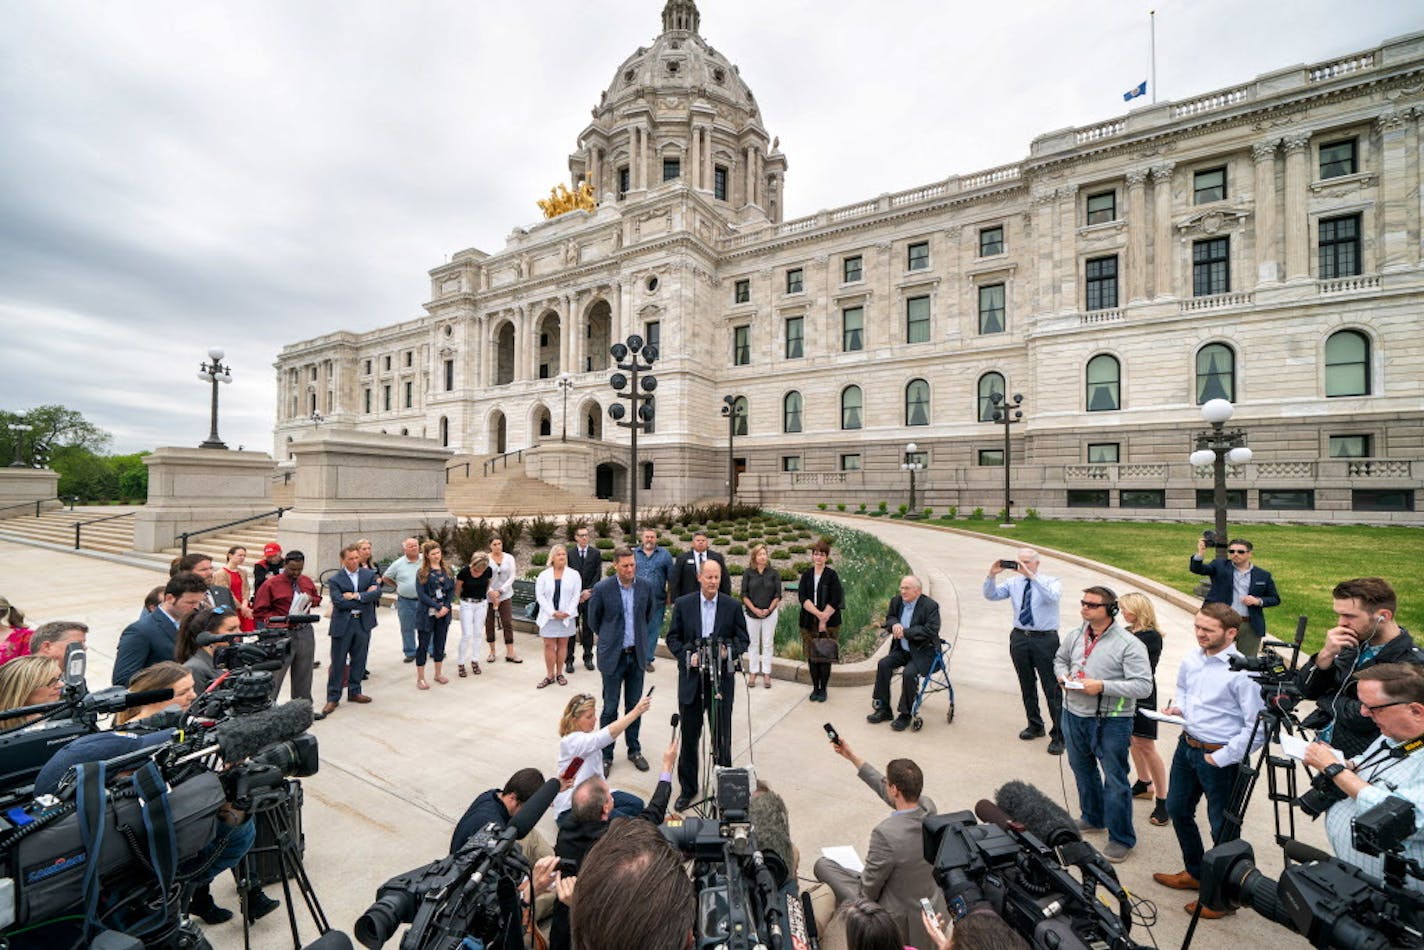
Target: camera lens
(381, 919)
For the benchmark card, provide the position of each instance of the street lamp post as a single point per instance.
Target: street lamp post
(316, 419)
(20, 428)
(1007, 412)
(1216, 447)
(633, 357)
(565, 383)
(912, 464)
(732, 414)
(214, 372)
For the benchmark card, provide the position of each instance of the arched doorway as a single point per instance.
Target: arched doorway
(504, 354)
(547, 330)
(598, 332)
(610, 481)
(592, 415)
(541, 422)
(498, 433)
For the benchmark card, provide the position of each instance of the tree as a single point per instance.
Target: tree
(52, 428)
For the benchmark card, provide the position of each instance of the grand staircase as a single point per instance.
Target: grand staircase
(508, 490)
(115, 535)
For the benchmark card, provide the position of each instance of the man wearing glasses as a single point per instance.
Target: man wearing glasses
(1239, 585)
(1104, 670)
(1392, 695)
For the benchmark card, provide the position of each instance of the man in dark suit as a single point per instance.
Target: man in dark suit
(1243, 587)
(355, 591)
(913, 624)
(686, 570)
(619, 611)
(151, 638)
(715, 620)
(588, 561)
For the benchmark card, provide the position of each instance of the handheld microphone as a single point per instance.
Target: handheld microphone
(676, 718)
(244, 736)
(808, 913)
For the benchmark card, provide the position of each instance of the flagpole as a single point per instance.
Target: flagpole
(1152, 50)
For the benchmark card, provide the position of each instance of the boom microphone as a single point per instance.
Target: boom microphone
(987, 811)
(244, 736)
(528, 815)
(208, 639)
(1039, 814)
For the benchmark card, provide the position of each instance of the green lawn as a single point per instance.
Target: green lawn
(1305, 560)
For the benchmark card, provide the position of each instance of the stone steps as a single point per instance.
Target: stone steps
(509, 491)
(57, 527)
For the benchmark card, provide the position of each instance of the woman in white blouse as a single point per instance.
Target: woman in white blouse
(501, 599)
(557, 593)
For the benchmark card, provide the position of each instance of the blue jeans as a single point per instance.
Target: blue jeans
(626, 806)
(408, 611)
(1105, 796)
(1191, 778)
(626, 678)
(655, 627)
(232, 842)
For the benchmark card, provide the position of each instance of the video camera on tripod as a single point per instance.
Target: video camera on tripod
(248, 661)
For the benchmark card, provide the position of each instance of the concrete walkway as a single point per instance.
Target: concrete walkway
(397, 774)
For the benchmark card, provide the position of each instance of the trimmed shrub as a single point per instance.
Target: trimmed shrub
(737, 550)
(541, 529)
(603, 544)
(780, 554)
(736, 570)
(841, 507)
(511, 530)
(539, 558)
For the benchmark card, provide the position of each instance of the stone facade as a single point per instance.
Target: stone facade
(1261, 242)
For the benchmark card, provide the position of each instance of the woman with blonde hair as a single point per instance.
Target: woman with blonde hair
(472, 591)
(761, 602)
(556, 591)
(27, 681)
(580, 738)
(1139, 617)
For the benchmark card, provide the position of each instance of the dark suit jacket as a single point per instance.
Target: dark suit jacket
(590, 569)
(683, 579)
(350, 616)
(684, 635)
(1261, 586)
(605, 619)
(922, 634)
(148, 640)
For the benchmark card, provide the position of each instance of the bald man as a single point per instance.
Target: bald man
(912, 621)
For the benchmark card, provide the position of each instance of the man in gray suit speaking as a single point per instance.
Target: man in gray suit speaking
(896, 873)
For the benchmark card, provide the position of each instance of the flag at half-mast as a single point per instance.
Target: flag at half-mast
(1139, 90)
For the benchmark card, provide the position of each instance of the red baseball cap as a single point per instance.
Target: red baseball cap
(271, 549)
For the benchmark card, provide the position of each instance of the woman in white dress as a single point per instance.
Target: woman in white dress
(557, 593)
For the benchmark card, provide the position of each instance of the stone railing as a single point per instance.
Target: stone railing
(854, 211)
(818, 478)
(1217, 100)
(1285, 469)
(1215, 302)
(991, 177)
(1103, 130)
(1346, 285)
(916, 195)
(1090, 472)
(1089, 317)
(1341, 67)
(1378, 468)
(1137, 471)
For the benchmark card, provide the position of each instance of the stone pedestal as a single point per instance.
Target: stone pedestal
(199, 488)
(569, 465)
(22, 488)
(352, 485)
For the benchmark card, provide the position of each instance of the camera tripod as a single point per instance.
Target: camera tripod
(711, 667)
(271, 812)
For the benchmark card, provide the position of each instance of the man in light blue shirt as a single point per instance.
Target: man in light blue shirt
(1034, 640)
(654, 566)
(618, 614)
(401, 574)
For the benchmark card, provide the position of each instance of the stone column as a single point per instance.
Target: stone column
(749, 179)
(199, 488)
(1297, 221)
(1395, 187)
(565, 335)
(1137, 235)
(692, 161)
(616, 330)
(707, 159)
(28, 487)
(1066, 265)
(521, 343)
(1044, 201)
(1268, 256)
(1164, 245)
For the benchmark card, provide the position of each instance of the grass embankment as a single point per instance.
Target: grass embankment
(1305, 560)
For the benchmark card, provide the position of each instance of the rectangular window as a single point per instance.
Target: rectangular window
(917, 320)
(719, 182)
(368, 368)
(1235, 498)
(1382, 499)
(991, 241)
(388, 364)
(1349, 446)
(1340, 247)
(1208, 186)
(795, 329)
(991, 309)
(386, 398)
(852, 329)
(1103, 453)
(1338, 158)
(917, 256)
(1142, 498)
(368, 400)
(850, 463)
(991, 457)
(1102, 207)
(1288, 499)
(1100, 277)
(672, 168)
(622, 182)
(1211, 267)
(313, 372)
(741, 346)
(409, 357)
(409, 394)
(921, 459)
(1087, 498)
(449, 375)
(795, 280)
(543, 370)
(791, 463)
(742, 291)
(852, 269)
(653, 333)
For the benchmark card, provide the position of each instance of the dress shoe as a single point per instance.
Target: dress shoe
(409, 659)
(361, 698)
(683, 801)
(587, 663)
(1030, 732)
(206, 909)
(649, 668)
(639, 763)
(1206, 912)
(607, 766)
(259, 905)
(880, 715)
(569, 666)
(1055, 747)
(1181, 881)
(901, 723)
(326, 710)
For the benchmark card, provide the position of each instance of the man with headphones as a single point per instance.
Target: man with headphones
(1103, 670)
(1366, 635)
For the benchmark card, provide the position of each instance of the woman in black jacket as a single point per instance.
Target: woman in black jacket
(822, 599)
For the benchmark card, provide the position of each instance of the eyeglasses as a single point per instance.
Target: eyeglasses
(1090, 603)
(1401, 702)
(1237, 551)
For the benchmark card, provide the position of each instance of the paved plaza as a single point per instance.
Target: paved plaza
(397, 774)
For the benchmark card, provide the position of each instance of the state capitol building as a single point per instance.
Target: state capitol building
(1260, 243)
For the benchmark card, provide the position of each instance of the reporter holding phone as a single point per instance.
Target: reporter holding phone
(1033, 641)
(579, 739)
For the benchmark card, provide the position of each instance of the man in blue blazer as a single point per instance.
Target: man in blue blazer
(697, 618)
(1241, 586)
(619, 611)
(355, 591)
(151, 638)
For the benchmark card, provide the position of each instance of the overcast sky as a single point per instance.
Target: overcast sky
(244, 174)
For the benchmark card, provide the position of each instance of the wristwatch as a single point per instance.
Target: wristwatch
(1332, 770)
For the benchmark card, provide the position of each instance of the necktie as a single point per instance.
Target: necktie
(1026, 611)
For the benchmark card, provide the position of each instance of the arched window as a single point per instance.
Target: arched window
(989, 384)
(1347, 364)
(851, 403)
(1216, 373)
(1104, 383)
(739, 412)
(917, 403)
(791, 412)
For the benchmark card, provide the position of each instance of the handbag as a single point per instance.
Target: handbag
(825, 649)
